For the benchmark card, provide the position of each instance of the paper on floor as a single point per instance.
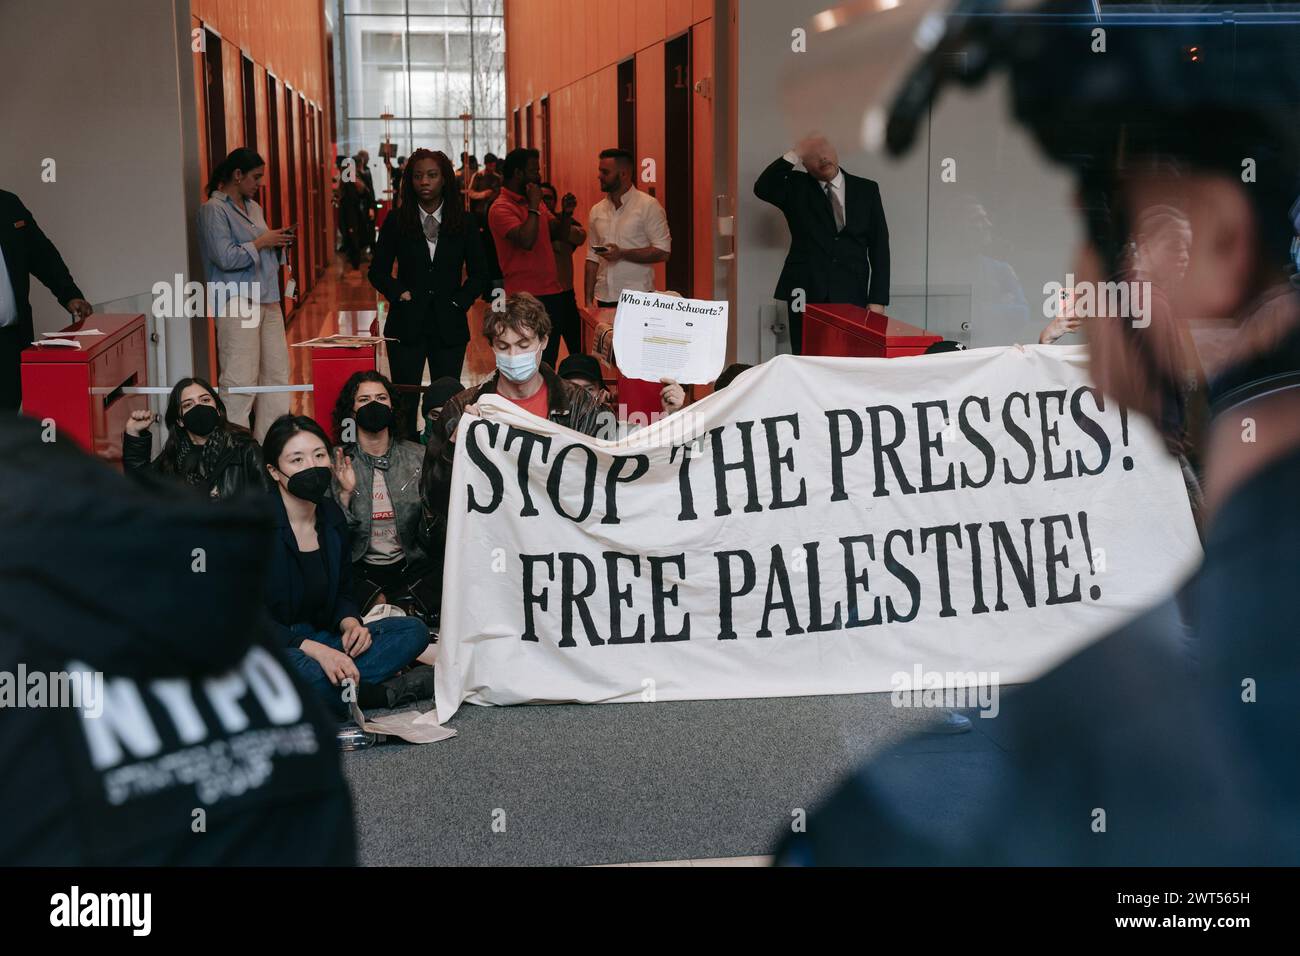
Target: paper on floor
(411, 725)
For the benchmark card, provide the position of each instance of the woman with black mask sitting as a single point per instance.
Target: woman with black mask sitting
(309, 593)
(377, 483)
(203, 447)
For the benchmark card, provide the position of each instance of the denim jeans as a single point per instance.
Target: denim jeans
(394, 643)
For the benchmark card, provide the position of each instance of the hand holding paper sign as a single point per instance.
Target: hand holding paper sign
(672, 396)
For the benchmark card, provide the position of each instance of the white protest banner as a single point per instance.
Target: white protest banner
(818, 527)
(662, 336)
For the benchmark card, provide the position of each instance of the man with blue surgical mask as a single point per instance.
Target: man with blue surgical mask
(518, 337)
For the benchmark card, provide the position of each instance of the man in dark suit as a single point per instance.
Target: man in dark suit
(26, 252)
(839, 242)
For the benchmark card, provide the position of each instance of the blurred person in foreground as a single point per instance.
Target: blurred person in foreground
(197, 710)
(1191, 756)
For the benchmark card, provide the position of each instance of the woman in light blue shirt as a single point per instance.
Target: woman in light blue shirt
(242, 264)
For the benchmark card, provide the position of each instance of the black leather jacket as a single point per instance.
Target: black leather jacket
(240, 472)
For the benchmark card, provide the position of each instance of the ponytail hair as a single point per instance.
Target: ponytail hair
(240, 160)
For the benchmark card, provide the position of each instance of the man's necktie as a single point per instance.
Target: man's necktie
(431, 228)
(836, 208)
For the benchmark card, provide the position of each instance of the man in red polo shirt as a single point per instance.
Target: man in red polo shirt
(522, 230)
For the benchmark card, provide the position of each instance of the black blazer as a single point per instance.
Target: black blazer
(28, 253)
(851, 266)
(441, 290)
(285, 585)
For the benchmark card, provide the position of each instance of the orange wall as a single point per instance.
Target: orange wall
(288, 39)
(569, 50)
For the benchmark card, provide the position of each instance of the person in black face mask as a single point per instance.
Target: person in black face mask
(377, 484)
(203, 448)
(309, 592)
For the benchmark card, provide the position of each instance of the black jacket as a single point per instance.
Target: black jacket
(190, 678)
(442, 290)
(851, 266)
(239, 471)
(27, 253)
(284, 581)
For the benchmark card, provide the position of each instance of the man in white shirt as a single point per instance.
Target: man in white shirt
(628, 231)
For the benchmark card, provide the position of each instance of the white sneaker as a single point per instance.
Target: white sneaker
(952, 723)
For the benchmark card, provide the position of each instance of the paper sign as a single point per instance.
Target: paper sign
(662, 336)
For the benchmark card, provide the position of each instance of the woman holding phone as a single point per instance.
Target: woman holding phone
(441, 270)
(239, 248)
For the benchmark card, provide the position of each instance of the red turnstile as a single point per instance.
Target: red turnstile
(80, 389)
(332, 367)
(850, 330)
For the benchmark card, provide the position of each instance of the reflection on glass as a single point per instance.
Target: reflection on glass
(967, 253)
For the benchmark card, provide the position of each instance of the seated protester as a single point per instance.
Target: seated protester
(203, 448)
(309, 588)
(584, 371)
(518, 337)
(377, 484)
(435, 396)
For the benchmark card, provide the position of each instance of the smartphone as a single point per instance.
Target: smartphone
(600, 248)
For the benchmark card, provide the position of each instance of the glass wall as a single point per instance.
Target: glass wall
(426, 62)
